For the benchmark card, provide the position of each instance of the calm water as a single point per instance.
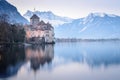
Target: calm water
(62, 61)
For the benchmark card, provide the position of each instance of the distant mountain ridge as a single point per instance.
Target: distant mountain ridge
(48, 16)
(11, 11)
(94, 26)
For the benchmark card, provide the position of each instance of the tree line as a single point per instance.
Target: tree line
(10, 33)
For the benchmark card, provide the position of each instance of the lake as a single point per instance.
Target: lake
(99, 60)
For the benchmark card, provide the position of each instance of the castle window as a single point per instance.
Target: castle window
(47, 35)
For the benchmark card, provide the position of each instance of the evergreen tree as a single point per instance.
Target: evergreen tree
(10, 33)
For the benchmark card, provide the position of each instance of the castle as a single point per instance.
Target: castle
(39, 31)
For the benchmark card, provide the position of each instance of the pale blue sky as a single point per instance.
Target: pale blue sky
(69, 8)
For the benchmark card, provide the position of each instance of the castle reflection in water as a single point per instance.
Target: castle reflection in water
(12, 58)
(71, 61)
(39, 55)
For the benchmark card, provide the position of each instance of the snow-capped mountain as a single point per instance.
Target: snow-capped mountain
(48, 17)
(11, 11)
(94, 26)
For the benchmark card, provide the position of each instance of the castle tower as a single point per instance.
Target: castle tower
(34, 20)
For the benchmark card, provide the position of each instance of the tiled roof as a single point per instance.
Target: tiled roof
(34, 17)
(41, 23)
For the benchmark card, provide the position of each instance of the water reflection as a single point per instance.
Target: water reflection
(94, 54)
(62, 61)
(39, 55)
(11, 59)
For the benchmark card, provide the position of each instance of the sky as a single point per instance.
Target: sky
(69, 8)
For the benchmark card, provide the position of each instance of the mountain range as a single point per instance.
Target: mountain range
(93, 26)
(48, 16)
(12, 12)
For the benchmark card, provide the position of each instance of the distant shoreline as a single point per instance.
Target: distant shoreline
(83, 40)
(61, 40)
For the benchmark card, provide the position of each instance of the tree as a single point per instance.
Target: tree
(18, 33)
(10, 33)
(4, 18)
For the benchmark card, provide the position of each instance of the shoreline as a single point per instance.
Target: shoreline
(23, 43)
(84, 40)
(57, 40)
